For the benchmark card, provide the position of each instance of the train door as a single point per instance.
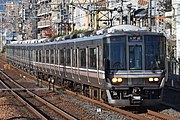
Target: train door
(52, 54)
(135, 53)
(43, 59)
(135, 57)
(56, 56)
(75, 64)
(61, 62)
(93, 64)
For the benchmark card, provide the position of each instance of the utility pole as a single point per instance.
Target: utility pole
(177, 14)
(91, 7)
(150, 15)
(33, 15)
(1, 42)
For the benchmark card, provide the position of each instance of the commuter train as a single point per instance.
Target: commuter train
(121, 66)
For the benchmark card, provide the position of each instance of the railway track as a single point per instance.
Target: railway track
(153, 115)
(149, 115)
(42, 108)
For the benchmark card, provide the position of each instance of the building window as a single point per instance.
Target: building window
(58, 16)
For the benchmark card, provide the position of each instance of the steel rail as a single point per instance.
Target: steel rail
(53, 107)
(159, 115)
(126, 113)
(24, 102)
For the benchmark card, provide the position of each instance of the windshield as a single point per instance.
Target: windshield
(154, 52)
(116, 52)
(135, 57)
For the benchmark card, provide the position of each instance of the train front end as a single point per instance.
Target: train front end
(135, 68)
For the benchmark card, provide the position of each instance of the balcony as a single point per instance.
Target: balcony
(44, 23)
(41, 1)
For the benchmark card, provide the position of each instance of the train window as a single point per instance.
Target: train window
(92, 57)
(154, 52)
(59, 56)
(82, 57)
(62, 56)
(29, 54)
(52, 56)
(100, 54)
(30, 51)
(74, 58)
(47, 56)
(56, 56)
(37, 55)
(68, 57)
(43, 56)
(115, 51)
(40, 55)
(24, 54)
(21, 53)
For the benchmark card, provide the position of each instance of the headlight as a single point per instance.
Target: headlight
(156, 79)
(114, 80)
(153, 79)
(119, 80)
(150, 79)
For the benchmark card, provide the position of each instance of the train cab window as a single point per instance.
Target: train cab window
(82, 57)
(115, 51)
(47, 56)
(62, 56)
(37, 55)
(68, 57)
(154, 52)
(52, 56)
(92, 58)
(135, 57)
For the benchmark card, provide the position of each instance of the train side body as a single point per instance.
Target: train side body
(125, 68)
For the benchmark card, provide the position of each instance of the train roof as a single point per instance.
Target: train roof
(95, 35)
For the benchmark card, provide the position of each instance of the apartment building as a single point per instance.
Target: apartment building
(45, 24)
